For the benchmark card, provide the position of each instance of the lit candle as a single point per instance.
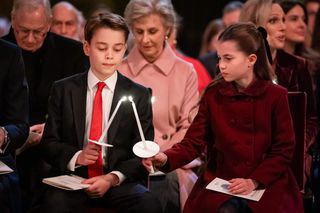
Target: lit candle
(124, 98)
(138, 122)
(153, 99)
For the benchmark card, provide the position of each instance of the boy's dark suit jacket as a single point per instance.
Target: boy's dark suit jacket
(65, 127)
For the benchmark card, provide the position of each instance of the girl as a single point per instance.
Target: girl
(244, 120)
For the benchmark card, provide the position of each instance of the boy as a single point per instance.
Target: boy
(79, 109)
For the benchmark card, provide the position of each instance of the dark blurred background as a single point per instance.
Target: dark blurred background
(196, 15)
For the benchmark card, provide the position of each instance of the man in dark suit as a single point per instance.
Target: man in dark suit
(14, 127)
(80, 106)
(47, 58)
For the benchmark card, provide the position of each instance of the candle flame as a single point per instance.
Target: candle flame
(124, 98)
(153, 99)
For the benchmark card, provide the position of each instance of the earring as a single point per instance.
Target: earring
(166, 38)
(175, 42)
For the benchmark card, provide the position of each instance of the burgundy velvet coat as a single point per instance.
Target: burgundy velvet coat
(248, 135)
(292, 73)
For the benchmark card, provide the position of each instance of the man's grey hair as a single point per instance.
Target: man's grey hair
(69, 6)
(32, 5)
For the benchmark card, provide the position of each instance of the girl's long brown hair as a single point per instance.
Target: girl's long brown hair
(250, 41)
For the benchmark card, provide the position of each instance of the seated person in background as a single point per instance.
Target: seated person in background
(47, 57)
(4, 26)
(296, 35)
(202, 74)
(208, 55)
(152, 63)
(231, 13)
(210, 37)
(312, 7)
(14, 127)
(67, 21)
(289, 71)
(79, 108)
(244, 120)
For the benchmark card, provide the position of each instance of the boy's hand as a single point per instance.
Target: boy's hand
(99, 185)
(89, 154)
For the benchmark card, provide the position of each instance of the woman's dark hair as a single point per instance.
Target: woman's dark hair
(300, 48)
(286, 7)
(289, 4)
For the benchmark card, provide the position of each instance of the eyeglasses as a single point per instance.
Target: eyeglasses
(37, 34)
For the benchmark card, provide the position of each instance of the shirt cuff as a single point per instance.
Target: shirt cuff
(120, 176)
(72, 163)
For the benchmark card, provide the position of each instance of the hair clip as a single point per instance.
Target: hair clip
(264, 35)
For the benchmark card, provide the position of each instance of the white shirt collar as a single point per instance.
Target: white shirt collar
(110, 82)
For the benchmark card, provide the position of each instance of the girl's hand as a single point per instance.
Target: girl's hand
(158, 161)
(242, 186)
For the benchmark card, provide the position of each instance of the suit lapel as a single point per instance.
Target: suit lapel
(121, 89)
(79, 95)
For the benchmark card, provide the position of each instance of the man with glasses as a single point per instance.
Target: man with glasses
(48, 57)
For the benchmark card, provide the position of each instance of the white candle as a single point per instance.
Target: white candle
(138, 122)
(111, 118)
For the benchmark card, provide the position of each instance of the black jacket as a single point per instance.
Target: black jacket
(59, 57)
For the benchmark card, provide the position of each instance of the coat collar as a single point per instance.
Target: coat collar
(163, 64)
(256, 88)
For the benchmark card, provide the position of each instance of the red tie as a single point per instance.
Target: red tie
(96, 168)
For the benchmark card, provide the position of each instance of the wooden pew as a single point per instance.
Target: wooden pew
(297, 104)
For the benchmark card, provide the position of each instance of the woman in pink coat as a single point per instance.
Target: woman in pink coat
(152, 63)
(244, 120)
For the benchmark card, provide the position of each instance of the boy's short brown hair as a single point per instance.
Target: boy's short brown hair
(105, 20)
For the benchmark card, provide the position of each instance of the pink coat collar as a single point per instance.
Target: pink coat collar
(164, 63)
